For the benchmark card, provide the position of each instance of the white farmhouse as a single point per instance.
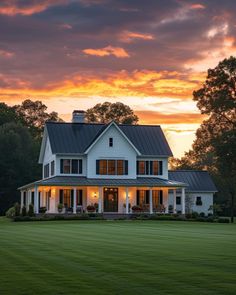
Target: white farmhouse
(113, 168)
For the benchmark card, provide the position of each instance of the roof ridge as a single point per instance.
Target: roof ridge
(90, 123)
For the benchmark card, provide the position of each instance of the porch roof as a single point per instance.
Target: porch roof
(84, 181)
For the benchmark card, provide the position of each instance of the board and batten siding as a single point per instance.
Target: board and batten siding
(121, 150)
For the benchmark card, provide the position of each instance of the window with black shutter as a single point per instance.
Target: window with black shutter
(147, 197)
(126, 167)
(110, 142)
(52, 168)
(137, 196)
(75, 168)
(160, 168)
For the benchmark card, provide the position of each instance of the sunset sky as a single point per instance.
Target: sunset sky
(151, 55)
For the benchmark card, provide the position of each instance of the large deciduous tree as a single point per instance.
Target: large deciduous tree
(107, 111)
(35, 115)
(215, 144)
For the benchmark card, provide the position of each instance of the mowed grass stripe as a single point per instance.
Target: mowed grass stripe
(117, 258)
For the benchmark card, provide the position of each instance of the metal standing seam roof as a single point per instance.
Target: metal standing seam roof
(72, 138)
(198, 181)
(84, 181)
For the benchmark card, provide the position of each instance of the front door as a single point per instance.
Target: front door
(110, 199)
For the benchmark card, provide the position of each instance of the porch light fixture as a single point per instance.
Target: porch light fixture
(95, 195)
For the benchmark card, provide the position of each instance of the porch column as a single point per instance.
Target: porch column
(150, 201)
(127, 201)
(21, 199)
(183, 200)
(36, 199)
(28, 199)
(174, 203)
(100, 199)
(74, 200)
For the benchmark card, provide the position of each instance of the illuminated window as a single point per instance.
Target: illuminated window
(155, 167)
(120, 167)
(103, 167)
(141, 167)
(111, 167)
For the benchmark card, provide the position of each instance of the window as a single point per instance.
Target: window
(46, 171)
(178, 200)
(52, 168)
(66, 198)
(149, 168)
(71, 166)
(141, 168)
(155, 168)
(65, 166)
(112, 167)
(79, 197)
(103, 167)
(74, 166)
(110, 141)
(142, 197)
(199, 201)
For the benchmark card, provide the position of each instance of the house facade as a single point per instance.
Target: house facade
(114, 168)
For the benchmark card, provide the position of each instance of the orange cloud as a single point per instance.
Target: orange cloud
(11, 7)
(121, 84)
(197, 6)
(128, 36)
(106, 51)
(151, 117)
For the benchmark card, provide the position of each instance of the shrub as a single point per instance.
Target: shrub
(201, 219)
(42, 210)
(188, 215)
(202, 214)
(223, 220)
(23, 211)
(195, 214)
(17, 209)
(31, 210)
(210, 219)
(10, 212)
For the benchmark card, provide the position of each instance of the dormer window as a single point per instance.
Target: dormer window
(111, 142)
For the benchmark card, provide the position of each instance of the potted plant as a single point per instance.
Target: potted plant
(91, 208)
(136, 209)
(42, 210)
(60, 207)
(96, 206)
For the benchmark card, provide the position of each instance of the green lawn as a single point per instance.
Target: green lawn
(117, 257)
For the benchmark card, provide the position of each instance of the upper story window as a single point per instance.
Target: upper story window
(71, 166)
(52, 168)
(178, 200)
(149, 168)
(46, 171)
(112, 167)
(110, 141)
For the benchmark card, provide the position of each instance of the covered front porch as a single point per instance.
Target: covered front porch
(80, 195)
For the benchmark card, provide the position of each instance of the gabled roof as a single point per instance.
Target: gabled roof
(84, 181)
(75, 138)
(119, 130)
(198, 181)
